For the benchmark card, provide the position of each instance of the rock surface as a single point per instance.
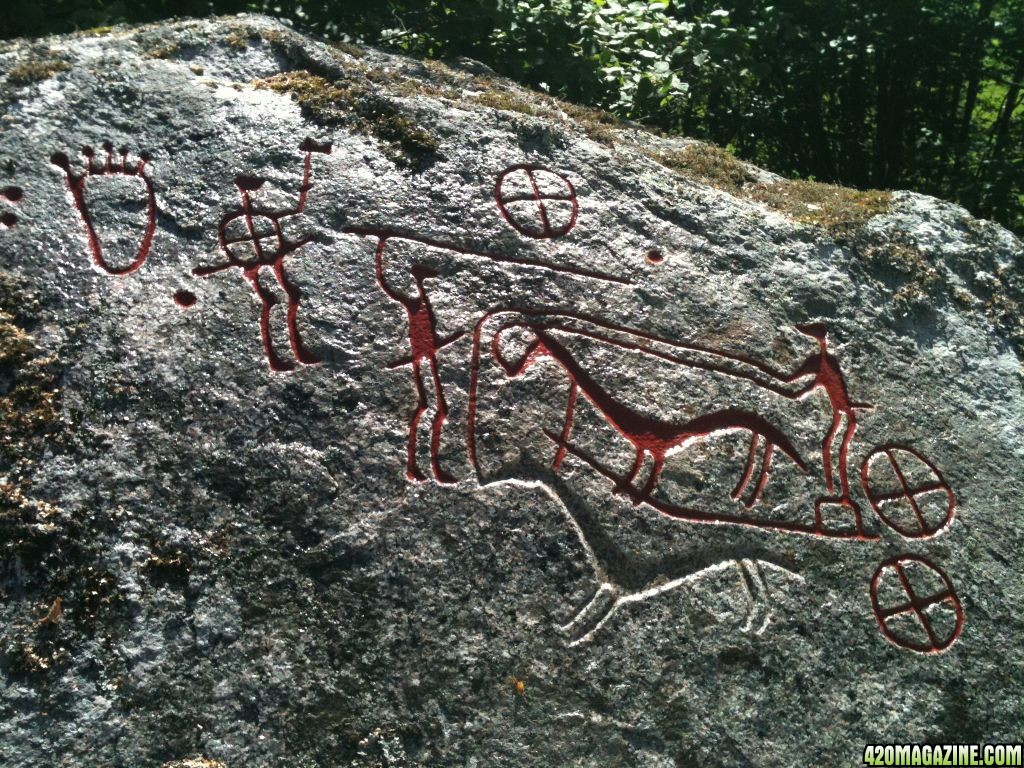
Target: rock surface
(616, 532)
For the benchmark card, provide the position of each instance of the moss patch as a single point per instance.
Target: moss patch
(509, 102)
(898, 254)
(35, 71)
(358, 107)
(710, 165)
(840, 211)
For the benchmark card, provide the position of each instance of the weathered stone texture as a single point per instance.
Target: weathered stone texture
(627, 530)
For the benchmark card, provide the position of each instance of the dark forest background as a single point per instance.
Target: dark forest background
(893, 94)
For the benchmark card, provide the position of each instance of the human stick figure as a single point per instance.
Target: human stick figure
(261, 223)
(424, 343)
(824, 368)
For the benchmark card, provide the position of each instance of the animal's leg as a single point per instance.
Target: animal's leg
(748, 471)
(652, 481)
(626, 483)
(563, 440)
(762, 478)
(758, 596)
(412, 472)
(440, 416)
(826, 449)
(294, 293)
(591, 617)
(267, 300)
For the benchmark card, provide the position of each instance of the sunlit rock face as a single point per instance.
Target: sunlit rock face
(366, 411)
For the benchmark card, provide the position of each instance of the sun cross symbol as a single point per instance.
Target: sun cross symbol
(252, 238)
(892, 575)
(928, 519)
(536, 201)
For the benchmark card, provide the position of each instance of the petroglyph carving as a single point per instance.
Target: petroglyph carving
(96, 170)
(536, 201)
(915, 604)
(241, 235)
(916, 511)
(14, 195)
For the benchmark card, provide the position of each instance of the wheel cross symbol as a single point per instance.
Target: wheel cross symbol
(530, 186)
(900, 458)
(893, 573)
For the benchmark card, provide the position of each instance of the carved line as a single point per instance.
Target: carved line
(546, 231)
(388, 233)
(14, 195)
(272, 259)
(878, 500)
(654, 436)
(916, 605)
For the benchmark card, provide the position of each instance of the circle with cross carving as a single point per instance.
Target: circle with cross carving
(915, 605)
(536, 201)
(907, 492)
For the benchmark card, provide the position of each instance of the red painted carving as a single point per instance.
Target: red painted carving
(910, 575)
(657, 438)
(9, 219)
(647, 435)
(111, 166)
(185, 299)
(826, 375)
(248, 251)
(927, 520)
(424, 343)
(536, 187)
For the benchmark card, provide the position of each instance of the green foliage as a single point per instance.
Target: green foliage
(920, 94)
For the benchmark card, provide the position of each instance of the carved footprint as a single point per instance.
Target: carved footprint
(110, 167)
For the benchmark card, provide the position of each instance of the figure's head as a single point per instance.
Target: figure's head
(814, 330)
(516, 348)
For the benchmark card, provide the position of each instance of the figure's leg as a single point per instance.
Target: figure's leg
(844, 454)
(762, 478)
(268, 300)
(563, 440)
(294, 293)
(826, 449)
(412, 472)
(748, 470)
(440, 416)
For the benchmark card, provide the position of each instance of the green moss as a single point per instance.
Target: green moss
(35, 71)
(840, 211)
(164, 50)
(356, 106)
(240, 37)
(351, 49)
(710, 165)
(509, 102)
(597, 123)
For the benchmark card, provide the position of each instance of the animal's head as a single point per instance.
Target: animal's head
(516, 347)
(814, 330)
